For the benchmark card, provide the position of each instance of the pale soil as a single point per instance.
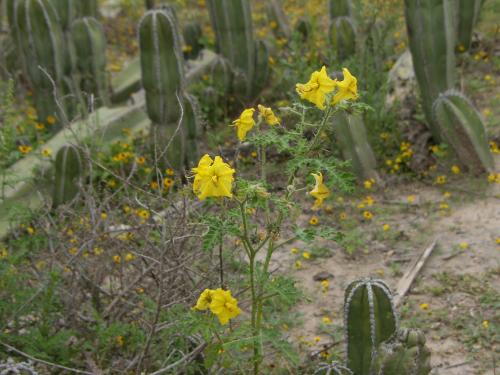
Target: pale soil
(473, 217)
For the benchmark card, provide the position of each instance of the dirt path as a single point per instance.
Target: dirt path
(461, 274)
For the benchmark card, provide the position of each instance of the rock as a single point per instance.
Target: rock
(323, 275)
(402, 83)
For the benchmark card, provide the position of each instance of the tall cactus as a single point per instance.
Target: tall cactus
(463, 129)
(406, 355)
(192, 34)
(42, 43)
(350, 132)
(191, 122)
(89, 8)
(468, 15)
(69, 169)
(370, 319)
(232, 22)
(67, 11)
(343, 37)
(88, 35)
(339, 8)
(163, 81)
(262, 71)
(432, 35)
(278, 19)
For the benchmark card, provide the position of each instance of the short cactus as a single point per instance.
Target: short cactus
(339, 8)
(468, 15)
(463, 128)
(431, 26)
(221, 75)
(88, 35)
(370, 319)
(406, 355)
(232, 22)
(68, 170)
(192, 35)
(343, 37)
(278, 19)
(163, 81)
(350, 132)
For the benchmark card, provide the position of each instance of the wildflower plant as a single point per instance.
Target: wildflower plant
(256, 211)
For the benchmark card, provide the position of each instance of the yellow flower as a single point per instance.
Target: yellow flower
(314, 220)
(154, 185)
(320, 191)
(268, 115)
(348, 88)
(325, 284)
(169, 172)
(327, 320)
(298, 265)
(144, 214)
(317, 88)
(104, 215)
(306, 255)
(119, 340)
(367, 215)
(3, 253)
(117, 259)
(167, 183)
(386, 227)
(204, 300)
(39, 126)
(224, 305)
(424, 306)
(51, 120)
(368, 184)
(47, 152)
(24, 149)
(410, 198)
(455, 169)
(129, 257)
(369, 201)
(444, 206)
(140, 160)
(463, 245)
(294, 250)
(244, 123)
(485, 324)
(440, 180)
(343, 216)
(213, 178)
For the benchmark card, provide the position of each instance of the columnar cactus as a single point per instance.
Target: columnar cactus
(67, 11)
(192, 35)
(232, 22)
(278, 19)
(88, 35)
(350, 132)
(191, 121)
(42, 43)
(463, 128)
(89, 8)
(339, 8)
(68, 171)
(343, 37)
(370, 319)
(468, 15)
(163, 81)
(432, 40)
(221, 75)
(406, 355)
(262, 71)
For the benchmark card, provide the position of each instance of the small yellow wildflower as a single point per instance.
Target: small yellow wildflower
(253, 154)
(117, 259)
(306, 255)
(154, 185)
(367, 215)
(167, 183)
(440, 180)
(3, 253)
(139, 290)
(39, 126)
(327, 320)
(129, 257)
(463, 245)
(30, 230)
(410, 198)
(455, 169)
(120, 341)
(244, 123)
(23, 149)
(348, 88)
(386, 227)
(144, 214)
(424, 306)
(485, 324)
(51, 120)
(317, 88)
(317, 339)
(213, 178)
(325, 284)
(268, 115)
(343, 216)
(368, 184)
(140, 160)
(294, 250)
(169, 172)
(47, 152)
(298, 264)
(320, 191)
(314, 220)
(104, 215)
(220, 302)
(444, 206)
(98, 250)
(446, 194)
(369, 201)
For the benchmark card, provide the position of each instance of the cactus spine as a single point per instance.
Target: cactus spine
(407, 355)
(232, 22)
(468, 15)
(69, 169)
(339, 8)
(343, 37)
(370, 319)
(278, 19)
(88, 35)
(192, 35)
(432, 36)
(350, 132)
(463, 129)
(163, 81)
(332, 369)
(41, 40)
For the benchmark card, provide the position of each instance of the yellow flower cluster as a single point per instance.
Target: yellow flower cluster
(320, 85)
(220, 302)
(402, 158)
(246, 122)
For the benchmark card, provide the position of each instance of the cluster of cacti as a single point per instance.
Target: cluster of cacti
(88, 34)
(69, 169)
(405, 355)
(168, 107)
(232, 22)
(375, 344)
(342, 28)
(192, 36)
(468, 15)
(432, 35)
(463, 128)
(350, 132)
(278, 19)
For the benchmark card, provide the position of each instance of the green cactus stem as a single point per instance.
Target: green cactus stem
(431, 26)
(463, 128)
(89, 8)
(339, 8)
(370, 319)
(232, 23)
(68, 173)
(468, 15)
(278, 19)
(192, 124)
(88, 35)
(262, 71)
(350, 133)
(343, 37)
(192, 36)
(406, 355)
